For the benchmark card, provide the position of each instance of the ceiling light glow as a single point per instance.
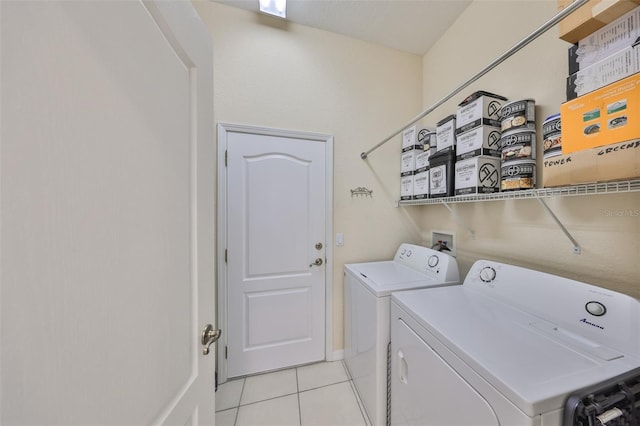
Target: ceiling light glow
(274, 7)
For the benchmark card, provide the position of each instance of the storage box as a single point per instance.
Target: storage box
(619, 161)
(478, 175)
(408, 162)
(620, 65)
(483, 140)
(608, 115)
(422, 161)
(413, 137)
(591, 17)
(406, 187)
(606, 41)
(421, 185)
(446, 134)
(480, 108)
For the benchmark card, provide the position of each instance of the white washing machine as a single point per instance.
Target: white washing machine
(505, 348)
(367, 291)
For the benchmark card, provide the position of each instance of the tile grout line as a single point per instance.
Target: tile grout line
(346, 370)
(355, 394)
(267, 399)
(244, 382)
(298, 395)
(365, 418)
(325, 386)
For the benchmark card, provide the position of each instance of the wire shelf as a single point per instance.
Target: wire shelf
(574, 190)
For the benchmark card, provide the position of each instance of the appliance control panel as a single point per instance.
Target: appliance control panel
(571, 307)
(436, 264)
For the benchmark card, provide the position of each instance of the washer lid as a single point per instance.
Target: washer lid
(530, 361)
(382, 278)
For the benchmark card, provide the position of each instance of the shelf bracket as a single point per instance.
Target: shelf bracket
(576, 246)
(459, 220)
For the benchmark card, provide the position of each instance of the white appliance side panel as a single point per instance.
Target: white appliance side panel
(350, 308)
(426, 391)
(366, 346)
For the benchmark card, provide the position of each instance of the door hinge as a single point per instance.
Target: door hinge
(226, 158)
(226, 352)
(226, 254)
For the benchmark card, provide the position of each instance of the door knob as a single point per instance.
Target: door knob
(317, 262)
(209, 336)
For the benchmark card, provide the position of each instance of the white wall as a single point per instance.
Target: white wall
(272, 73)
(276, 74)
(521, 232)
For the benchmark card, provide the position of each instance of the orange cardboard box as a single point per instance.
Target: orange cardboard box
(590, 17)
(620, 161)
(605, 116)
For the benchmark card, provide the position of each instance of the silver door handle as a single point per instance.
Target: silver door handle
(317, 262)
(209, 337)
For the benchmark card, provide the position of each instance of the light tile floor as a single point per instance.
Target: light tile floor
(318, 394)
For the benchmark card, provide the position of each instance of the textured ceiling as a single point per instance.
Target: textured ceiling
(408, 25)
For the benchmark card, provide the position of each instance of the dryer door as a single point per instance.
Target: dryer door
(425, 390)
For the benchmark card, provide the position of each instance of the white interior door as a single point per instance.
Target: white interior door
(276, 215)
(106, 207)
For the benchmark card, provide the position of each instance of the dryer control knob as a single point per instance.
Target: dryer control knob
(433, 261)
(595, 308)
(487, 274)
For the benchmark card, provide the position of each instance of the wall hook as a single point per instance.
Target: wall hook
(361, 191)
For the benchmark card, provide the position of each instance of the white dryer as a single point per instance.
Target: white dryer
(367, 290)
(505, 348)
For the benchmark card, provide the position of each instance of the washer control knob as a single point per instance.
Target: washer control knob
(433, 261)
(595, 308)
(487, 274)
(408, 253)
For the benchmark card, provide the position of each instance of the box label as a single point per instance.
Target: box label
(438, 180)
(477, 175)
(485, 110)
(445, 135)
(406, 187)
(422, 161)
(605, 116)
(483, 140)
(421, 186)
(408, 138)
(407, 162)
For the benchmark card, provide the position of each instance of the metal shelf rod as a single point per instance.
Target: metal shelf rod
(576, 246)
(531, 37)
